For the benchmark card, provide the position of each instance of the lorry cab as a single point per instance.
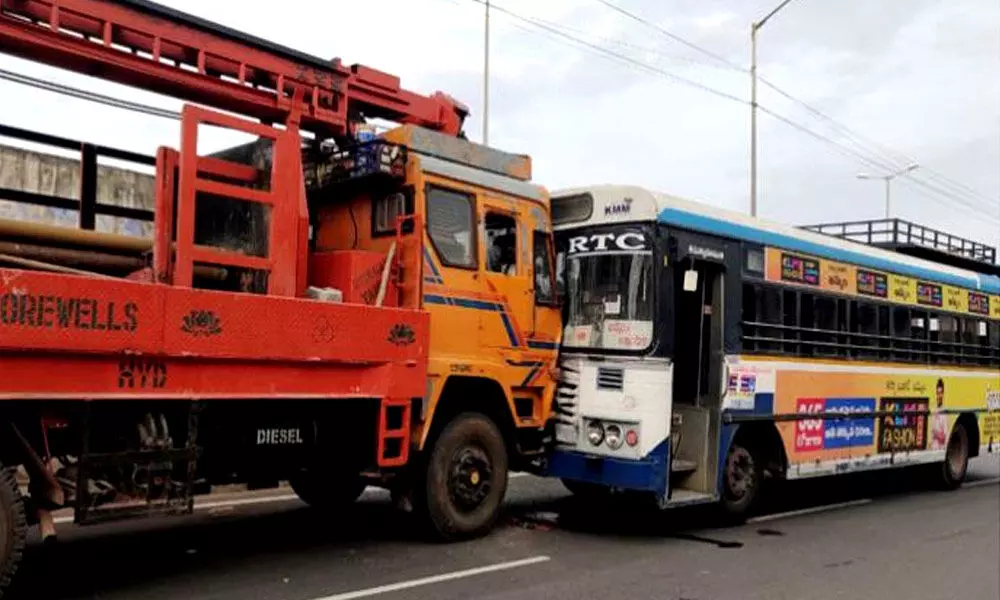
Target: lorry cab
(473, 240)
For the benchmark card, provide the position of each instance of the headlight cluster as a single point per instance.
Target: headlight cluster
(612, 434)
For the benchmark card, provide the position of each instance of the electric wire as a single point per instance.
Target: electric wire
(88, 95)
(895, 159)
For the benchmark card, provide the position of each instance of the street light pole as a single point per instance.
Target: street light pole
(753, 119)
(753, 104)
(888, 180)
(486, 77)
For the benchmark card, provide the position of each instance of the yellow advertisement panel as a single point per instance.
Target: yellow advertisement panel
(902, 289)
(838, 277)
(814, 391)
(956, 299)
(794, 268)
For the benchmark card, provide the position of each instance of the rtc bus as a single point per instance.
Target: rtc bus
(706, 353)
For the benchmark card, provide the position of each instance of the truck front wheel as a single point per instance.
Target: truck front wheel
(464, 480)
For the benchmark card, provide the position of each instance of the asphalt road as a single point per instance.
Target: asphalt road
(884, 537)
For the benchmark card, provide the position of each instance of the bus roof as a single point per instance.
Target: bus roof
(629, 203)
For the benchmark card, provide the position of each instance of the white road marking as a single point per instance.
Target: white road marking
(412, 583)
(809, 511)
(981, 482)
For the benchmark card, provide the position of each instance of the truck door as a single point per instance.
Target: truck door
(506, 274)
(546, 308)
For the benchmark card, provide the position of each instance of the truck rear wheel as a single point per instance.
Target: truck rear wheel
(464, 480)
(13, 527)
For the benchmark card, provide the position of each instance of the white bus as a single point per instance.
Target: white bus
(706, 352)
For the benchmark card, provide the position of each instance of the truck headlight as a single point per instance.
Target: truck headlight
(595, 433)
(613, 436)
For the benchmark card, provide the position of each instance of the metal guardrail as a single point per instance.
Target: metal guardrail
(87, 205)
(897, 232)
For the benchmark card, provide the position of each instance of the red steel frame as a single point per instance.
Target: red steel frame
(127, 46)
(289, 217)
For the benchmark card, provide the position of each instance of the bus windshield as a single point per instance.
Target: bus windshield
(608, 286)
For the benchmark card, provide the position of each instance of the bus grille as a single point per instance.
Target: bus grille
(565, 405)
(610, 379)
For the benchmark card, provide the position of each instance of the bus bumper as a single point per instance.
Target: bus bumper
(648, 474)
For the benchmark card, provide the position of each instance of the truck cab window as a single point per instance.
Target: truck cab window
(501, 244)
(542, 260)
(449, 222)
(387, 210)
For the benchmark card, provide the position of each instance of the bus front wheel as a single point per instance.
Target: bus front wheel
(741, 481)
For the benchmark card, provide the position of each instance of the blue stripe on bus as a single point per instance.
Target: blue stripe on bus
(647, 474)
(763, 404)
(672, 216)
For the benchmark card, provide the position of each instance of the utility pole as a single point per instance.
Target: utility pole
(753, 104)
(888, 179)
(486, 78)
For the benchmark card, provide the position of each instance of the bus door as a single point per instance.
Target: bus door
(698, 277)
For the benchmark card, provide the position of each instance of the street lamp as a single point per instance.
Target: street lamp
(888, 178)
(753, 104)
(486, 78)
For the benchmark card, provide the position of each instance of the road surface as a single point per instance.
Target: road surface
(883, 537)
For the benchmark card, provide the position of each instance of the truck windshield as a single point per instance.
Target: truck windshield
(608, 285)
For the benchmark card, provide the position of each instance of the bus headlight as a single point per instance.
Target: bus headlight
(595, 433)
(613, 436)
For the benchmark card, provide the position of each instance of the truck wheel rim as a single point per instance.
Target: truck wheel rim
(470, 477)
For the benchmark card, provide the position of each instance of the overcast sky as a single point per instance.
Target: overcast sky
(919, 77)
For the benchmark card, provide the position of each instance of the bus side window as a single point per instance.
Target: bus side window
(542, 260)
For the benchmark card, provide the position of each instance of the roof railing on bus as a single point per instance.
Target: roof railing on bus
(896, 233)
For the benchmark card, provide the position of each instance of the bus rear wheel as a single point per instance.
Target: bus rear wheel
(951, 472)
(741, 482)
(464, 480)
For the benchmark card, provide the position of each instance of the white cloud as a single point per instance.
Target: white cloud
(715, 19)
